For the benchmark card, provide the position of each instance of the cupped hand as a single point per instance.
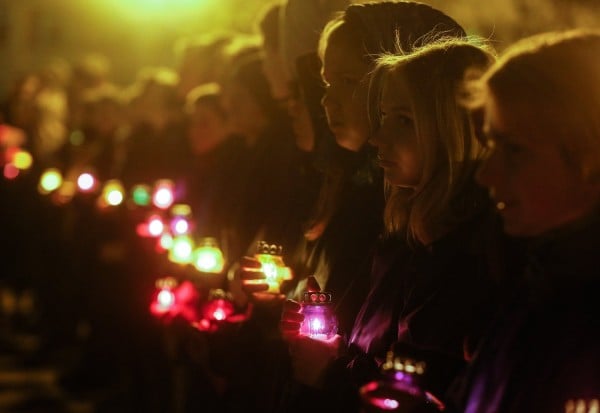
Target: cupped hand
(254, 283)
(311, 357)
(291, 318)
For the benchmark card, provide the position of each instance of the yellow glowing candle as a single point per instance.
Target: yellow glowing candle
(208, 257)
(272, 266)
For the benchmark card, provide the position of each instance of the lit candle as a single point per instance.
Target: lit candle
(401, 386)
(319, 322)
(272, 266)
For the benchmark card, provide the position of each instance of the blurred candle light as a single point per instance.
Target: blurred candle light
(50, 180)
(164, 300)
(181, 251)
(320, 321)
(113, 193)
(208, 257)
(218, 307)
(86, 182)
(180, 226)
(165, 241)
(22, 159)
(163, 196)
(140, 195)
(10, 171)
(155, 226)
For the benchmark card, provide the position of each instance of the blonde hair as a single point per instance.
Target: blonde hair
(553, 79)
(377, 28)
(439, 77)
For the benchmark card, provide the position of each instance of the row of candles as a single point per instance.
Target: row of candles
(171, 224)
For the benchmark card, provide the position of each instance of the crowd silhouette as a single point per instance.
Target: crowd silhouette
(368, 161)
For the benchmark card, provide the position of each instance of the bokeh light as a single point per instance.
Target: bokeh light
(50, 180)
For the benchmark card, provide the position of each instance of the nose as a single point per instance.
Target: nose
(489, 171)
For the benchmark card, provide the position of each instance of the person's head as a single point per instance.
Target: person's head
(349, 46)
(273, 65)
(200, 60)
(542, 124)
(103, 111)
(247, 99)
(207, 121)
(425, 138)
(154, 101)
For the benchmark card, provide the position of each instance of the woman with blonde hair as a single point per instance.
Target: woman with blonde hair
(432, 284)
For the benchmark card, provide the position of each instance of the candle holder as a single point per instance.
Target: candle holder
(165, 295)
(272, 265)
(208, 257)
(320, 321)
(218, 307)
(401, 387)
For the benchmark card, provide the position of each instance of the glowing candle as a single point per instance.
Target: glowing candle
(272, 266)
(218, 307)
(165, 296)
(163, 196)
(86, 182)
(401, 386)
(50, 180)
(208, 257)
(319, 319)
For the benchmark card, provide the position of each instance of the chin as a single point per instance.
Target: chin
(349, 142)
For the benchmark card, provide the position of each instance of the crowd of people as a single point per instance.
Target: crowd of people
(444, 196)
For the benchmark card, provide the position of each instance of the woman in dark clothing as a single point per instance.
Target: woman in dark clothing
(347, 218)
(430, 285)
(541, 120)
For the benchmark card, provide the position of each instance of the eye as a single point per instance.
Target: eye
(348, 81)
(404, 120)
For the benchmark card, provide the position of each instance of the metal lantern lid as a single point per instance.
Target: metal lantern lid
(265, 248)
(317, 298)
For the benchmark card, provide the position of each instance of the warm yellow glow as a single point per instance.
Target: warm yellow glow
(157, 7)
(209, 259)
(50, 180)
(275, 270)
(181, 251)
(113, 192)
(22, 160)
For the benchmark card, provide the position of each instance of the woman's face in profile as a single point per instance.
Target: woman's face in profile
(396, 138)
(536, 189)
(345, 101)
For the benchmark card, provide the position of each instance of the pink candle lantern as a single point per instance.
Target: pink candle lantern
(320, 321)
(401, 387)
